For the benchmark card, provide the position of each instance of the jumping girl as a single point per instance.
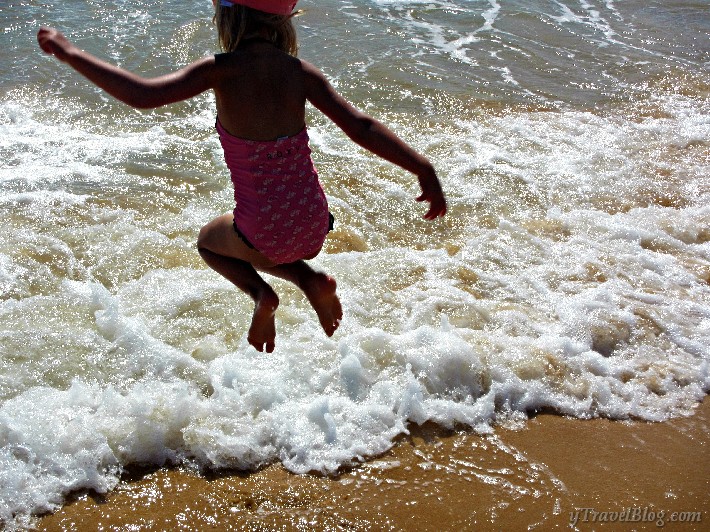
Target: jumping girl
(281, 216)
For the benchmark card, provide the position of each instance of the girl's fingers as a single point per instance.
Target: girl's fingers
(437, 206)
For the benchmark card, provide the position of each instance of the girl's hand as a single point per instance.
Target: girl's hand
(53, 42)
(431, 192)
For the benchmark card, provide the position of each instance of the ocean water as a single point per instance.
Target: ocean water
(571, 274)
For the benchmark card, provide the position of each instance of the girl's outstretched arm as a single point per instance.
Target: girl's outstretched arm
(375, 137)
(125, 86)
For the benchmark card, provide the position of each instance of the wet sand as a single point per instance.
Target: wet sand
(627, 475)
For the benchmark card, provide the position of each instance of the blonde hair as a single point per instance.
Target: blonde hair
(234, 22)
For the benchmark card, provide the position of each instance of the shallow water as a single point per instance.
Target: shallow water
(571, 274)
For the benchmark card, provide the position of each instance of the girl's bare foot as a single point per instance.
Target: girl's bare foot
(263, 326)
(320, 291)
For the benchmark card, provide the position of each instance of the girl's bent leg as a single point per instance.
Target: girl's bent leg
(226, 253)
(262, 332)
(219, 245)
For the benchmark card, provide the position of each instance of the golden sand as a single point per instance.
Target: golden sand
(608, 474)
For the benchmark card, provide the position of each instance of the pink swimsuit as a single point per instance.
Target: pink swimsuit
(281, 208)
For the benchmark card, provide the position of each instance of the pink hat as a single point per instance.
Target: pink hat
(277, 7)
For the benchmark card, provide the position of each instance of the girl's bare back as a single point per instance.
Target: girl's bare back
(260, 92)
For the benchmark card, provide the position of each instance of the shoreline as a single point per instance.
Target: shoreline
(552, 472)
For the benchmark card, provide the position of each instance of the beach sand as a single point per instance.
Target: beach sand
(533, 477)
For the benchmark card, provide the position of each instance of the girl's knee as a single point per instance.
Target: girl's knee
(203, 239)
(212, 235)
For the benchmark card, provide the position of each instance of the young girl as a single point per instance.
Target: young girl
(281, 216)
